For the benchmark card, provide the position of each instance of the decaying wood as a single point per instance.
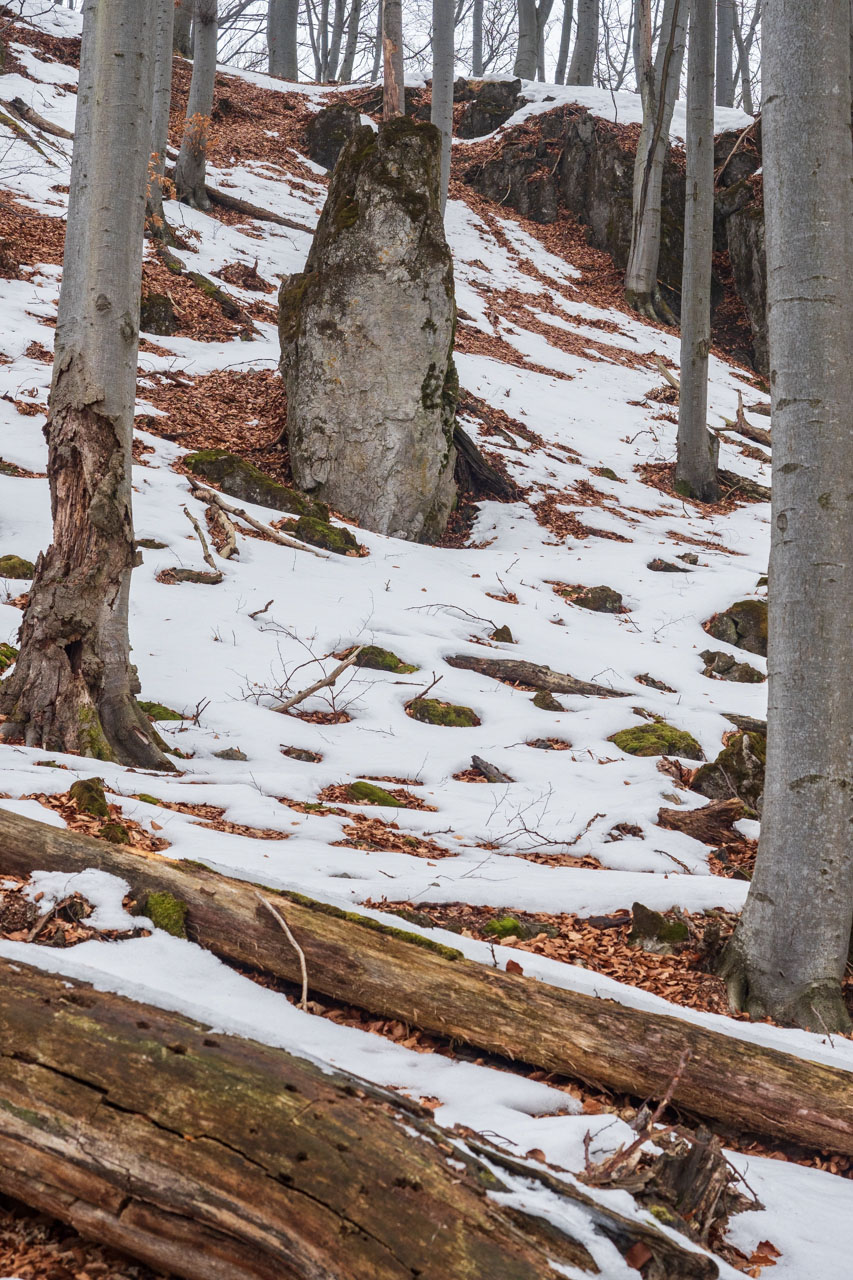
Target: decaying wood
(516, 671)
(712, 824)
(217, 1158)
(205, 549)
(396, 974)
(19, 108)
(745, 428)
(325, 683)
(253, 211)
(215, 498)
(476, 476)
(490, 771)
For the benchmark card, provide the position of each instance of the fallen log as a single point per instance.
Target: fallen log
(478, 477)
(516, 671)
(217, 1158)
(19, 108)
(396, 974)
(254, 211)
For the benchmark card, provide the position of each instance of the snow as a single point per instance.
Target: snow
(196, 644)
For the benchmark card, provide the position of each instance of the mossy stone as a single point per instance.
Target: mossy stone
(241, 479)
(115, 832)
(8, 654)
(157, 315)
(230, 753)
(151, 544)
(597, 599)
(657, 739)
(743, 624)
(376, 659)
(16, 567)
(654, 932)
(88, 795)
(166, 912)
(607, 473)
(723, 666)
(546, 701)
(146, 799)
(738, 770)
(331, 537)
(506, 927)
(156, 711)
(369, 793)
(432, 711)
(502, 635)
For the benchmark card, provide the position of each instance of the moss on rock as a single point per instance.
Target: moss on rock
(166, 912)
(743, 624)
(505, 927)
(115, 832)
(8, 654)
(369, 793)
(89, 797)
(546, 701)
(598, 599)
(330, 537)
(656, 932)
(723, 666)
(657, 739)
(376, 659)
(432, 711)
(737, 771)
(16, 567)
(241, 479)
(156, 711)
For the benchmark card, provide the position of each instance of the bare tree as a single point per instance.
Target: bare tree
(565, 41)
(192, 159)
(532, 17)
(477, 39)
(282, 28)
(744, 48)
(725, 96)
(165, 11)
(351, 48)
(183, 28)
(72, 687)
(582, 66)
(658, 81)
(789, 951)
(394, 99)
(696, 468)
(441, 111)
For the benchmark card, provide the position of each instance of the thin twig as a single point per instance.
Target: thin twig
(205, 549)
(609, 1167)
(303, 1003)
(325, 683)
(258, 612)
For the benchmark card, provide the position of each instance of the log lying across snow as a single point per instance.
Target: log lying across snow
(516, 671)
(217, 1158)
(397, 974)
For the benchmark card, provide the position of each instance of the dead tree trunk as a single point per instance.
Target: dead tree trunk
(397, 974)
(192, 159)
(73, 687)
(394, 98)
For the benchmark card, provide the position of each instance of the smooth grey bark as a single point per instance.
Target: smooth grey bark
(789, 951)
(192, 158)
(377, 48)
(532, 18)
(725, 92)
(441, 110)
(72, 687)
(353, 23)
(333, 57)
(282, 25)
(477, 39)
(744, 48)
(658, 81)
(394, 96)
(182, 38)
(165, 11)
(696, 466)
(565, 41)
(582, 65)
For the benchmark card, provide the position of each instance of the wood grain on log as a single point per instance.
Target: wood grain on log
(517, 671)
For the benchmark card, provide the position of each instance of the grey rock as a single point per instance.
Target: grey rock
(329, 131)
(231, 753)
(492, 104)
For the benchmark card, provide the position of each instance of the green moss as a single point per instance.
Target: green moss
(156, 711)
(166, 912)
(665, 1215)
(673, 931)
(506, 927)
(8, 654)
(115, 832)
(346, 214)
(88, 796)
(146, 799)
(319, 533)
(657, 739)
(503, 635)
(431, 711)
(369, 793)
(546, 701)
(376, 659)
(743, 624)
(607, 473)
(325, 908)
(290, 298)
(16, 567)
(151, 544)
(241, 479)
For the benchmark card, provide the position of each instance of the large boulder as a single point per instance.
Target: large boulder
(490, 105)
(367, 340)
(329, 131)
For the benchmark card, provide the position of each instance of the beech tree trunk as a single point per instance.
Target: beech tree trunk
(477, 39)
(725, 95)
(658, 81)
(165, 19)
(182, 36)
(192, 160)
(696, 467)
(72, 688)
(582, 67)
(333, 57)
(351, 46)
(394, 96)
(441, 111)
(565, 41)
(527, 52)
(790, 949)
(282, 26)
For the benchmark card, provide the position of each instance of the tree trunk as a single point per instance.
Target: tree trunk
(282, 26)
(377, 48)
(565, 41)
(182, 35)
(477, 39)
(441, 111)
(789, 952)
(335, 41)
(658, 82)
(528, 41)
(582, 66)
(72, 687)
(352, 41)
(696, 467)
(725, 96)
(192, 160)
(165, 18)
(394, 96)
(396, 974)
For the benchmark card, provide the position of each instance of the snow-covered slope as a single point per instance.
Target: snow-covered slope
(573, 378)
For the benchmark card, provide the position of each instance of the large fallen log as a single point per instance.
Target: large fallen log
(516, 671)
(397, 974)
(218, 1158)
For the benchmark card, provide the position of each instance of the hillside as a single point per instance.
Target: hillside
(568, 396)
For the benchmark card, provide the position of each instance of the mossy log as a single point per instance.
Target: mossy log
(24, 112)
(397, 974)
(516, 671)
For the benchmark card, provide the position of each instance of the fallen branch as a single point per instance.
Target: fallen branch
(490, 771)
(205, 549)
(325, 683)
(19, 108)
(670, 377)
(517, 671)
(416, 980)
(214, 496)
(253, 211)
(276, 915)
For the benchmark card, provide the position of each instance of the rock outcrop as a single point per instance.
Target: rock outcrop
(329, 131)
(367, 340)
(488, 105)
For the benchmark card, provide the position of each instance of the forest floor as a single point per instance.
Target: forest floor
(564, 389)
